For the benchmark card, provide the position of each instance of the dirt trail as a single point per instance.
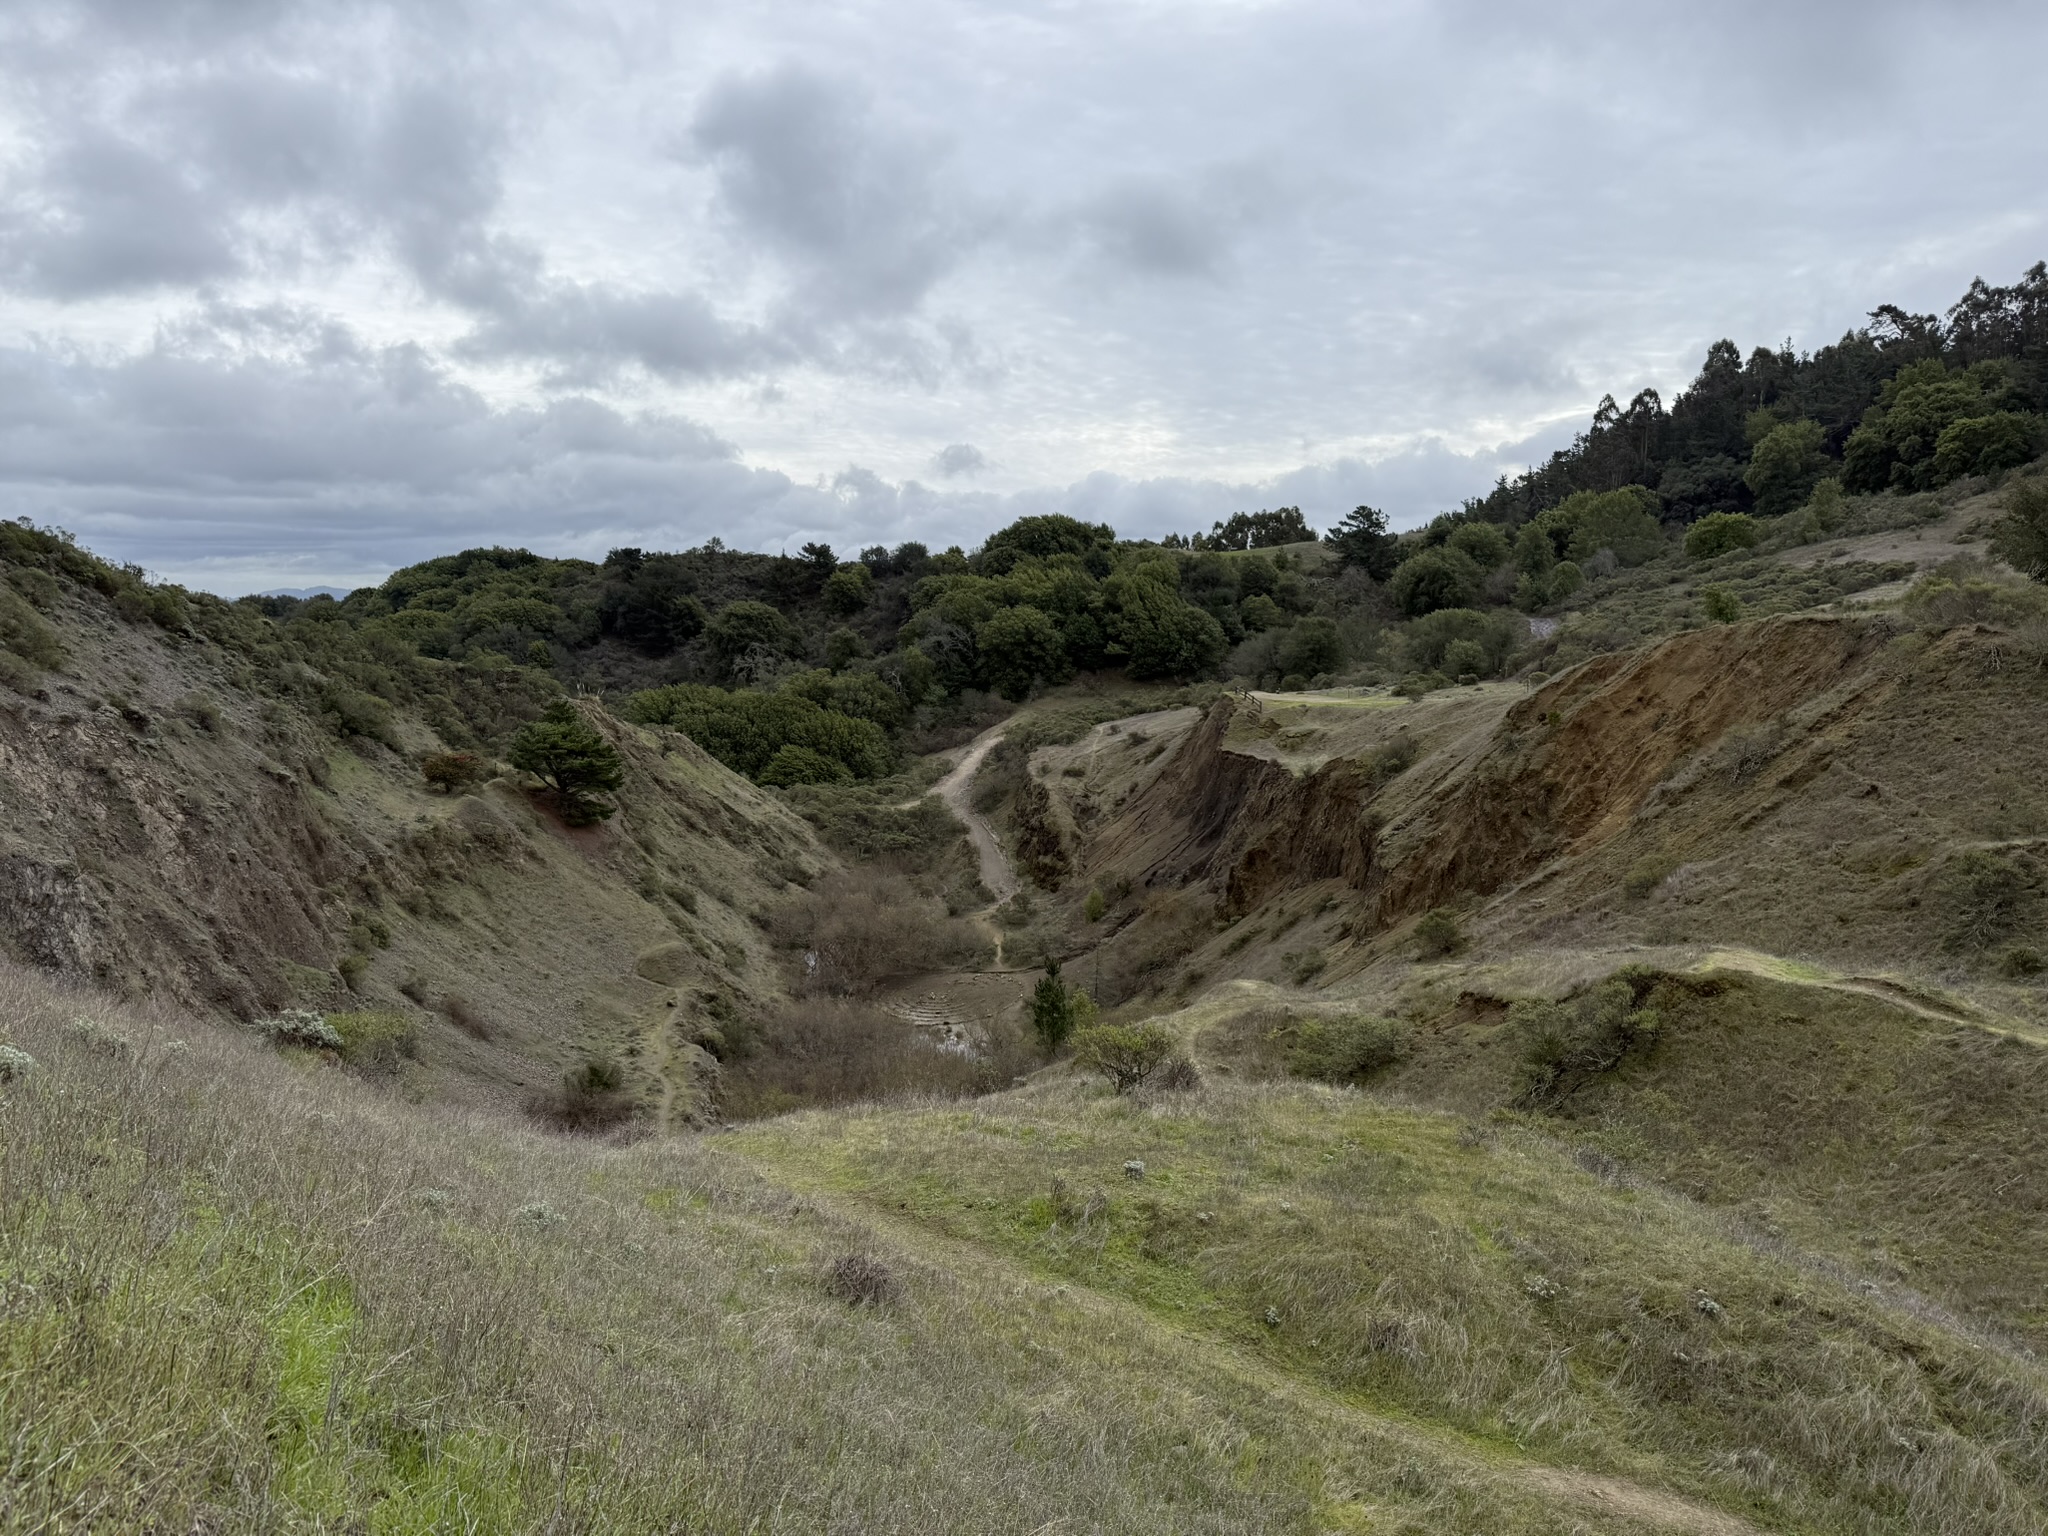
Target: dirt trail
(955, 789)
(1631, 1505)
(1925, 1003)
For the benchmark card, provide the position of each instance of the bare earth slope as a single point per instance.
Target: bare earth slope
(1805, 786)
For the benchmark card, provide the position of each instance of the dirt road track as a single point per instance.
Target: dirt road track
(955, 789)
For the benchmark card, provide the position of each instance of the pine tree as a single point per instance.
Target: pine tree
(1052, 1009)
(564, 752)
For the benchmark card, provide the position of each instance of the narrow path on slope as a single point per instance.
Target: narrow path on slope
(1635, 1505)
(1923, 1002)
(956, 790)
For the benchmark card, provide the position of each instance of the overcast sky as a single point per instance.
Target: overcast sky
(292, 294)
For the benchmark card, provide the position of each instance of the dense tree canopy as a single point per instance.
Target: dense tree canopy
(1880, 398)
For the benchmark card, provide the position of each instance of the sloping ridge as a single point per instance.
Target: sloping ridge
(174, 831)
(1565, 769)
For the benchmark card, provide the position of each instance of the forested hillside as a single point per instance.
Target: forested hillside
(816, 668)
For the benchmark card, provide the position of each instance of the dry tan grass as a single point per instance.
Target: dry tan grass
(246, 1292)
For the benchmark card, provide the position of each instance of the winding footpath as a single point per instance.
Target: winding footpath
(956, 790)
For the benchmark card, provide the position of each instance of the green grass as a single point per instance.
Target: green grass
(1486, 1286)
(1663, 597)
(1903, 1145)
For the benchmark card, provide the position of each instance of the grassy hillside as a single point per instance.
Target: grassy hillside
(249, 1293)
(308, 1304)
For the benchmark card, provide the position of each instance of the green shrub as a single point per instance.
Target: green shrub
(2021, 537)
(451, 772)
(1439, 933)
(849, 589)
(1346, 1050)
(1153, 629)
(1784, 466)
(1433, 579)
(1624, 521)
(746, 730)
(1020, 647)
(863, 823)
(1897, 445)
(1305, 966)
(39, 587)
(1720, 605)
(1389, 761)
(353, 966)
(792, 765)
(1721, 533)
(1464, 660)
(743, 631)
(351, 712)
(1313, 646)
(1645, 875)
(18, 674)
(375, 1041)
(24, 632)
(1052, 1009)
(1095, 905)
(301, 1027)
(1566, 1045)
(203, 711)
(1486, 543)
(1124, 1054)
(1983, 445)
(2020, 962)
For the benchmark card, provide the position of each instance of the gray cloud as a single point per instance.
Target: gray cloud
(332, 284)
(958, 459)
(1182, 226)
(812, 170)
(586, 331)
(257, 448)
(108, 217)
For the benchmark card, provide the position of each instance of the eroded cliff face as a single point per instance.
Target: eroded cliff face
(1560, 772)
(1245, 825)
(1570, 766)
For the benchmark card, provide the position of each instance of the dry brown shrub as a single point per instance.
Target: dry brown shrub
(815, 1051)
(861, 1280)
(1178, 1075)
(591, 1099)
(861, 927)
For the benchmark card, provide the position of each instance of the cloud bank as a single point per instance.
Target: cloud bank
(293, 293)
